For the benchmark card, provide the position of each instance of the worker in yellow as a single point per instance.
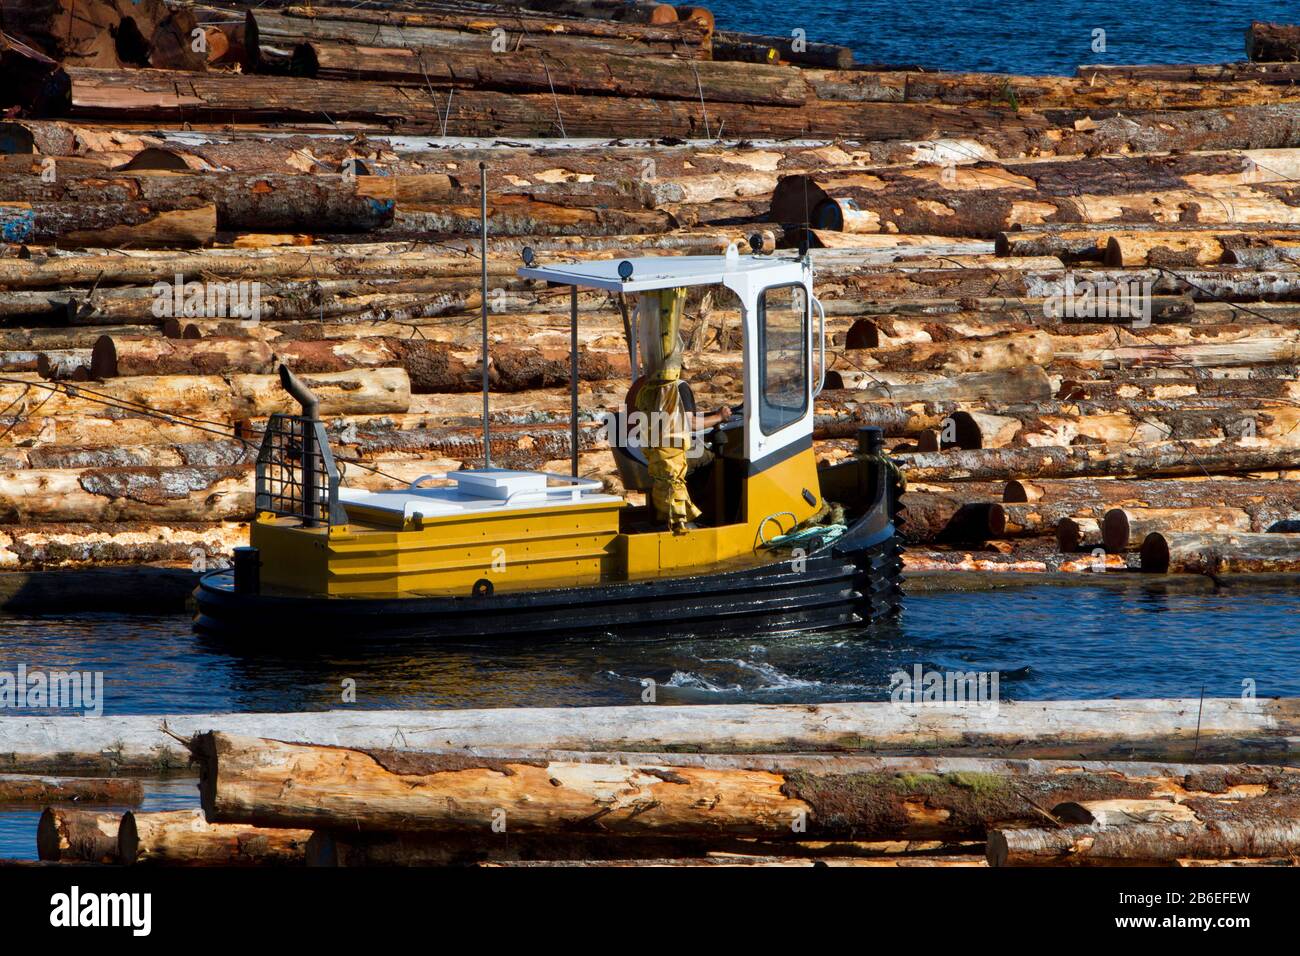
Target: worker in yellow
(668, 445)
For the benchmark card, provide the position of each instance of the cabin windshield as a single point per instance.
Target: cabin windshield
(783, 317)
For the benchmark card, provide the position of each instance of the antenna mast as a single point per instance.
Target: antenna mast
(483, 254)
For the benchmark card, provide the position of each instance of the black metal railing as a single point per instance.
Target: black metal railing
(295, 475)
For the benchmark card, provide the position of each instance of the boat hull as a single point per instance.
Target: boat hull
(851, 581)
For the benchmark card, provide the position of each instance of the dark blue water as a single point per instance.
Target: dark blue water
(1046, 642)
(1014, 36)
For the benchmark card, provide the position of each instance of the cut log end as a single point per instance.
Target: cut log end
(48, 843)
(1076, 534)
(103, 358)
(1021, 492)
(1155, 553)
(997, 851)
(862, 334)
(1115, 531)
(128, 838)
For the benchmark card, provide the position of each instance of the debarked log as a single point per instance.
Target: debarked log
(1124, 529)
(1122, 729)
(1225, 456)
(209, 399)
(185, 838)
(989, 354)
(1220, 553)
(1025, 384)
(247, 780)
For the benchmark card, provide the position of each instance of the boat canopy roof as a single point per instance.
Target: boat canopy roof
(649, 273)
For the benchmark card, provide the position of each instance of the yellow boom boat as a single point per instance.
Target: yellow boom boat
(778, 544)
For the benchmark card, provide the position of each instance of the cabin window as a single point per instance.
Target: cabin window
(783, 317)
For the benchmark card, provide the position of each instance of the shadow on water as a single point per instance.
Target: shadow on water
(1044, 642)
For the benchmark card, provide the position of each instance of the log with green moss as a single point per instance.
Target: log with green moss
(275, 784)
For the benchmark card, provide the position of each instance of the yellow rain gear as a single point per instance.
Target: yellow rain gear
(660, 401)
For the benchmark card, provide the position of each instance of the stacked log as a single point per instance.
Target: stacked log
(953, 219)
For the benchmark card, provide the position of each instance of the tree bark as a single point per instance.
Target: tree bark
(573, 72)
(184, 222)
(142, 95)
(27, 789)
(1143, 843)
(473, 33)
(1273, 42)
(77, 836)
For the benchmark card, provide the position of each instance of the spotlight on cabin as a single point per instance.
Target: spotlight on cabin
(625, 270)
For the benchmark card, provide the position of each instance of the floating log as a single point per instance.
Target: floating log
(989, 354)
(15, 788)
(1220, 553)
(35, 546)
(401, 260)
(470, 32)
(151, 95)
(322, 202)
(573, 73)
(186, 222)
(77, 836)
(751, 48)
(1025, 384)
(155, 355)
(1270, 126)
(1242, 493)
(1272, 42)
(211, 398)
(1225, 456)
(986, 199)
(1125, 529)
(245, 780)
(1143, 843)
(1268, 72)
(185, 838)
(1129, 729)
(1110, 813)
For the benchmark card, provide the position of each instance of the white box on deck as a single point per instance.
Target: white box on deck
(498, 483)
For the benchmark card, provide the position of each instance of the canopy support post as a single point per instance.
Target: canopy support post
(483, 254)
(573, 375)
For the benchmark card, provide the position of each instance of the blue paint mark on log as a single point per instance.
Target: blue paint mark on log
(16, 224)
